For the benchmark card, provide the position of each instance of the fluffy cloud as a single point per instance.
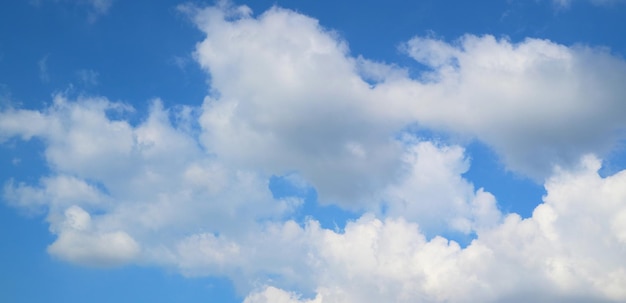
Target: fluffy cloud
(570, 249)
(54, 193)
(187, 188)
(150, 180)
(431, 186)
(153, 186)
(277, 76)
(537, 103)
(285, 89)
(78, 243)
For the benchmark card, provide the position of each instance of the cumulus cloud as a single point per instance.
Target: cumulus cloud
(570, 249)
(537, 103)
(78, 242)
(431, 186)
(187, 187)
(146, 179)
(285, 88)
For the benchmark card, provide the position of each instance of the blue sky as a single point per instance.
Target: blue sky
(312, 151)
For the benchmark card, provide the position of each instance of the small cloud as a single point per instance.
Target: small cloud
(98, 8)
(78, 242)
(101, 6)
(180, 62)
(43, 69)
(88, 77)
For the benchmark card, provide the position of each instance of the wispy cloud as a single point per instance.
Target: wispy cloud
(100, 6)
(88, 77)
(43, 69)
(568, 3)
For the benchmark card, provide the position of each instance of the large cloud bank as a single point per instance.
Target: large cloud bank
(187, 187)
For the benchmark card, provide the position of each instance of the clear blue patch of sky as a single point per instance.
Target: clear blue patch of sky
(514, 193)
(23, 161)
(614, 161)
(139, 50)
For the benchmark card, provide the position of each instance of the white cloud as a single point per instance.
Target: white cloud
(569, 250)
(187, 188)
(13, 123)
(431, 186)
(281, 82)
(56, 192)
(78, 242)
(151, 180)
(286, 89)
(431, 51)
(537, 103)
